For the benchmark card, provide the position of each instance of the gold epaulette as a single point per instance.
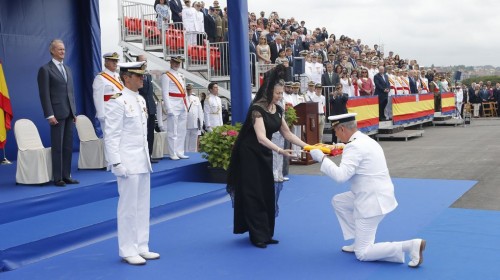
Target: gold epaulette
(116, 96)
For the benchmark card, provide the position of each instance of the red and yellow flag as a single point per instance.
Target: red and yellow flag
(5, 109)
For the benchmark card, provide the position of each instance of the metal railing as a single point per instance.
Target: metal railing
(151, 35)
(219, 61)
(198, 51)
(173, 40)
(131, 23)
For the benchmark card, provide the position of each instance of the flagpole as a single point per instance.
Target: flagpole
(5, 160)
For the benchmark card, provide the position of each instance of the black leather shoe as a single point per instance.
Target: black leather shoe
(70, 181)
(154, 160)
(272, 241)
(261, 245)
(60, 183)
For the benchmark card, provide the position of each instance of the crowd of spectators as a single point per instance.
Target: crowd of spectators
(329, 59)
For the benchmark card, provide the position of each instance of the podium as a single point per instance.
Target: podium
(307, 114)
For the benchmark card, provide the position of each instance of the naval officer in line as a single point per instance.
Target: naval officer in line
(194, 120)
(106, 84)
(173, 87)
(125, 137)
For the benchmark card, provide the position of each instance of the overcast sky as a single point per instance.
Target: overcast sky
(439, 32)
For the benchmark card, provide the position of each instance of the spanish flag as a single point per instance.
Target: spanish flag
(5, 109)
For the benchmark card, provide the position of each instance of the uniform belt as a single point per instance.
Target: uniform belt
(173, 94)
(321, 114)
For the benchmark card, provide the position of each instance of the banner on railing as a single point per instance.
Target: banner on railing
(448, 103)
(367, 109)
(410, 108)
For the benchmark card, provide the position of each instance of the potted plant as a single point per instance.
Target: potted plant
(290, 115)
(216, 146)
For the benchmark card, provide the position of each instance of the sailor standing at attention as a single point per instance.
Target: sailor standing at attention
(125, 137)
(174, 96)
(106, 84)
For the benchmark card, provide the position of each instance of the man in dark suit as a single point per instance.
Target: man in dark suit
(176, 8)
(413, 82)
(147, 92)
(55, 85)
(253, 54)
(209, 23)
(382, 87)
(275, 47)
(329, 78)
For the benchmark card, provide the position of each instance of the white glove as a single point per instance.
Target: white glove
(317, 155)
(120, 171)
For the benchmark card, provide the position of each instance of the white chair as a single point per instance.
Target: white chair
(91, 154)
(34, 161)
(159, 145)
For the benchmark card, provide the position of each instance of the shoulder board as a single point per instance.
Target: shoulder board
(116, 95)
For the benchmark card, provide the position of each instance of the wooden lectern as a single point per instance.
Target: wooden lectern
(307, 114)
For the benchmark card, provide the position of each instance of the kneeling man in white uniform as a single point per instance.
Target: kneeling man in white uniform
(125, 137)
(371, 197)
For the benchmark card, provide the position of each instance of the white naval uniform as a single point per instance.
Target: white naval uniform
(424, 84)
(405, 82)
(189, 23)
(279, 141)
(213, 112)
(394, 84)
(371, 197)
(126, 143)
(101, 87)
(176, 113)
(297, 129)
(194, 123)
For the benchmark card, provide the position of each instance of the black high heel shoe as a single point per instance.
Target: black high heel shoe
(261, 245)
(272, 241)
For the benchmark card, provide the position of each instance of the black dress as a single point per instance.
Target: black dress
(251, 181)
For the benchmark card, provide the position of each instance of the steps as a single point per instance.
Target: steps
(45, 225)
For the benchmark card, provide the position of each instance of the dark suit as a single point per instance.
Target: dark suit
(147, 92)
(176, 8)
(58, 100)
(274, 50)
(413, 85)
(381, 84)
(210, 27)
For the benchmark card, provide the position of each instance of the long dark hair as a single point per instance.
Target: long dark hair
(275, 76)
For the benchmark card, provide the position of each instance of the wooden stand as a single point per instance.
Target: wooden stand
(307, 114)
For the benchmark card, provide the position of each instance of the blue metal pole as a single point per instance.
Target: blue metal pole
(239, 59)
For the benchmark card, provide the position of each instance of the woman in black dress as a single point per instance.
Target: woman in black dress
(250, 178)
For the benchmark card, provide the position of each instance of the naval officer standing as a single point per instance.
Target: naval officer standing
(125, 137)
(174, 97)
(106, 84)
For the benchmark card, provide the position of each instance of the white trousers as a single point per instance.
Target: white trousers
(297, 130)
(133, 214)
(363, 231)
(176, 133)
(388, 108)
(279, 140)
(191, 144)
(321, 127)
(476, 106)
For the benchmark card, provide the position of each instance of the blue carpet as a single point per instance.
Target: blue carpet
(201, 245)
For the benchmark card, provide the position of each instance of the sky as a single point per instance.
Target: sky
(439, 32)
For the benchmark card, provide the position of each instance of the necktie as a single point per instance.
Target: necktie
(61, 68)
